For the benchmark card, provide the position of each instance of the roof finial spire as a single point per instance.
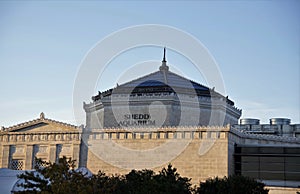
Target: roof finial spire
(164, 59)
(164, 66)
(42, 115)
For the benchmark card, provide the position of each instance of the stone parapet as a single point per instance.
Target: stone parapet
(188, 132)
(27, 137)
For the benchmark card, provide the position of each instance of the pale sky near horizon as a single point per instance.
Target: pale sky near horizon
(256, 45)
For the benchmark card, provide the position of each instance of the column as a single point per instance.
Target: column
(75, 155)
(5, 156)
(28, 157)
(52, 152)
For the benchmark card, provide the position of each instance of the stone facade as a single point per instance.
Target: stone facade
(197, 152)
(43, 138)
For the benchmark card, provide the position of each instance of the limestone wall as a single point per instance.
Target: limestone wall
(197, 153)
(20, 148)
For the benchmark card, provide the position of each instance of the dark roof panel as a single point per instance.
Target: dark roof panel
(164, 78)
(151, 83)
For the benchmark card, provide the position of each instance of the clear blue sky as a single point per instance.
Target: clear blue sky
(255, 43)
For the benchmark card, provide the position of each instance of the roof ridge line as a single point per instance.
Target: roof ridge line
(188, 79)
(23, 124)
(35, 121)
(148, 75)
(139, 78)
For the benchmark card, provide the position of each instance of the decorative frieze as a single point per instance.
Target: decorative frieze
(156, 135)
(28, 138)
(13, 137)
(36, 137)
(43, 137)
(51, 137)
(58, 137)
(20, 138)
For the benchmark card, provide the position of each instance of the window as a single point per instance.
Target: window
(38, 164)
(268, 163)
(16, 164)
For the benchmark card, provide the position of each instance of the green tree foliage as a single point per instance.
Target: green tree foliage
(141, 181)
(62, 178)
(171, 182)
(234, 184)
(54, 178)
(103, 184)
(167, 181)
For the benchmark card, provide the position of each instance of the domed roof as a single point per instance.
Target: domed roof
(164, 78)
(162, 81)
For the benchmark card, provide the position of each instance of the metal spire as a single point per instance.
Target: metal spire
(164, 66)
(164, 59)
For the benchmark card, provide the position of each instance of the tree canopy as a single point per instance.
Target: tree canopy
(234, 184)
(62, 178)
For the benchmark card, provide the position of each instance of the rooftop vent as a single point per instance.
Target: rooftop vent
(249, 121)
(280, 121)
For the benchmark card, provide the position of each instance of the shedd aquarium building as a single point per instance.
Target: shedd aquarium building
(154, 120)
